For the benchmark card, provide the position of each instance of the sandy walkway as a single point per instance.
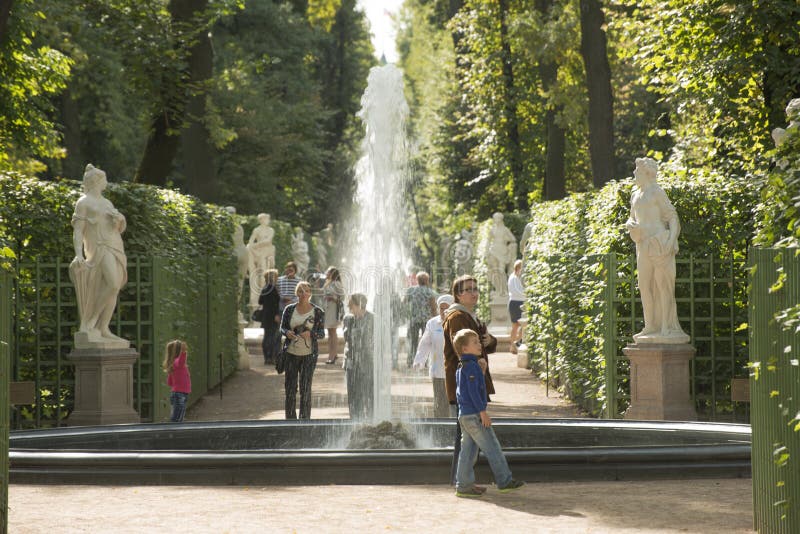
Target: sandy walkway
(698, 506)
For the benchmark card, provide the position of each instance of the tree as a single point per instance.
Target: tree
(598, 83)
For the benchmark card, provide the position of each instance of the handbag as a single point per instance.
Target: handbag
(258, 315)
(280, 361)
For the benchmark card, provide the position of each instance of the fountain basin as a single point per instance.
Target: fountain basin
(313, 452)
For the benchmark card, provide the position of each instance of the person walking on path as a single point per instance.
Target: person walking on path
(287, 284)
(516, 298)
(269, 300)
(420, 304)
(178, 378)
(476, 425)
(431, 349)
(461, 315)
(359, 327)
(333, 293)
(303, 324)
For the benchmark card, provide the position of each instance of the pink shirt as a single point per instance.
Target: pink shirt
(179, 378)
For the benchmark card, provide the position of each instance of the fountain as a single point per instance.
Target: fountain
(381, 175)
(320, 451)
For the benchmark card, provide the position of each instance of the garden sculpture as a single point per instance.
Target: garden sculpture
(300, 251)
(501, 255)
(653, 225)
(99, 269)
(262, 255)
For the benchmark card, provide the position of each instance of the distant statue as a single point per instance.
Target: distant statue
(300, 251)
(321, 251)
(462, 253)
(793, 116)
(502, 253)
(526, 236)
(327, 237)
(240, 252)
(262, 255)
(99, 269)
(653, 225)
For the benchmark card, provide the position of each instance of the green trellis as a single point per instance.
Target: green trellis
(194, 299)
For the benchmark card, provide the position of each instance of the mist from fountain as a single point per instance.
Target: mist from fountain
(381, 175)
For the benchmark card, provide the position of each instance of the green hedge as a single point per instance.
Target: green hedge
(563, 283)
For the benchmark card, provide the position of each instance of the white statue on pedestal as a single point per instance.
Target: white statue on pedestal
(300, 251)
(99, 269)
(653, 225)
(239, 251)
(462, 253)
(793, 115)
(262, 255)
(502, 253)
(523, 241)
(321, 250)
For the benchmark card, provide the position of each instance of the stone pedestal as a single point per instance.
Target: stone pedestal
(522, 357)
(244, 355)
(500, 317)
(660, 382)
(103, 386)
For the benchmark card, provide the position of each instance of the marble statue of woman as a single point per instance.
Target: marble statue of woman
(653, 225)
(321, 251)
(262, 255)
(240, 251)
(793, 115)
(462, 253)
(300, 251)
(99, 269)
(501, 254)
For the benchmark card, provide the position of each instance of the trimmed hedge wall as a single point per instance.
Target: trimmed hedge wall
(562, 285)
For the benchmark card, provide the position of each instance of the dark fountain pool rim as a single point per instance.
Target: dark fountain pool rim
(692, 450)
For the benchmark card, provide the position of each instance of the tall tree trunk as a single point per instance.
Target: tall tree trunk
(520, 189)
(165, 128)
(5, 14)
(601, 100)
(198, 149)
(554, 184)
(72, 165)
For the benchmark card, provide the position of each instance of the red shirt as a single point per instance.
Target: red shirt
(179, 378)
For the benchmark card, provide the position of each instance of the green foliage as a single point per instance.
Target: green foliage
(32, 73)
(564, 278)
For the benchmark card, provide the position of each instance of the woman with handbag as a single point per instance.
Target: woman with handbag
(303, 324)
(269, 315)
(333, 291)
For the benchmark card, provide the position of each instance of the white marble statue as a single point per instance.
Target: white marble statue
(99, 269)
(653, 225)
(239, 251)
(502, 252)
(300, 251)
(462, 253)
(526, 236)
(262, 255)
(793, 116)
(321, 251)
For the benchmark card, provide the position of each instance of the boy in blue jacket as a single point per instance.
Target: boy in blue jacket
(476, 425)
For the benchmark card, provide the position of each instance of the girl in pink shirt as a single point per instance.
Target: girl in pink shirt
(178, 378)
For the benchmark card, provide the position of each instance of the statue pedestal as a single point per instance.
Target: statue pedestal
(522, 357)
(499, 308)
(660, 381)
(244, 356)
(103, 386)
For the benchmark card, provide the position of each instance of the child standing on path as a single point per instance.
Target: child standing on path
(178, 378)
(476, 425)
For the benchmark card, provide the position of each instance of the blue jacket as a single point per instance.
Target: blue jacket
(470, 386)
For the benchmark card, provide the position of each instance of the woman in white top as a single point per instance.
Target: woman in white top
(516, 297)
(431, 347)
(302, 324)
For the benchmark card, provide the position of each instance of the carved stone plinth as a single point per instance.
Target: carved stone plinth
(103, 386)
(523, 361)
(500, 315)
(660, 382)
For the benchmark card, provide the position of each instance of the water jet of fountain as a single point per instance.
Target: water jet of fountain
(381, 175)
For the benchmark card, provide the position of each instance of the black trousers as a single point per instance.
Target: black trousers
(301, 367)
